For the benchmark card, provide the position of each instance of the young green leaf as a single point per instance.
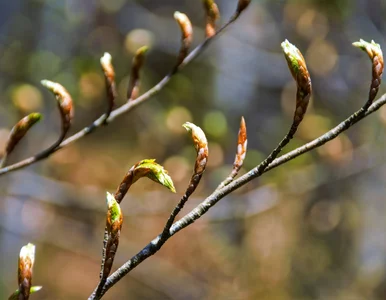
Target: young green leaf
(15, 295)
(153, 171)
(240, 154)
(18, 132)
(375, 54)
(241, 146)
(201, 146)
(145, 168)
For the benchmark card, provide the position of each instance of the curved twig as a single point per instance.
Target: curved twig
(216, 196)
(240, 155)
(121, 110)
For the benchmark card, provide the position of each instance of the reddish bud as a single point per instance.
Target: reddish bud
(212, 15)
(201, 145)
(374, 52)
(299, 71)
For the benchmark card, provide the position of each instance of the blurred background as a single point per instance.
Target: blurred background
(311, 229)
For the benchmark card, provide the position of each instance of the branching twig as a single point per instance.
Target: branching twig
(201, 145)
(114, 222)
(148, 168)
(121, 110)
(145, 168)
(216, 196)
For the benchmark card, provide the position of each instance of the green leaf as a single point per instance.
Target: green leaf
(33, 289)
(372, 48)
(150, 169)
(114, 208)
(141, 51)
(293, 56)
(65, 102)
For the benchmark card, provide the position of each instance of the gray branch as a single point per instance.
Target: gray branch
(102, 120)
(216, 196)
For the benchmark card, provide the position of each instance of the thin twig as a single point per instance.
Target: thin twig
(119, 111)
(3, 160)
(176, 210)
(216, 196)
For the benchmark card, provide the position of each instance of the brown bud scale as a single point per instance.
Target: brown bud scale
(20, 130)
(186, 37)
(241, 147)
(111, 89)
(65, 103)
(212, 15)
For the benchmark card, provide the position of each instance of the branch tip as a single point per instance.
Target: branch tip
(65, 103)
(113, 207)
(150, 169)
(298, 68)
(187, 35)
(144, 168)
(375, 54)
(212, 15)
(134, 81)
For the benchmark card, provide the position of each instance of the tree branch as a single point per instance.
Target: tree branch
(121, 110)
(217, 195)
